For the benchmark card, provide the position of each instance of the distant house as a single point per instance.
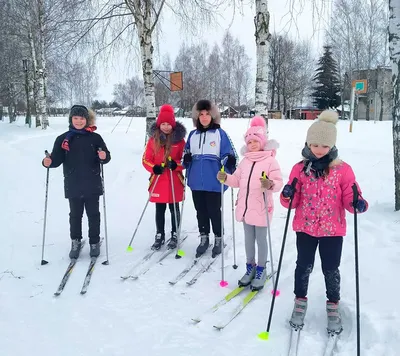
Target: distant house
(379, 94)
(227, 111)
(304, 113)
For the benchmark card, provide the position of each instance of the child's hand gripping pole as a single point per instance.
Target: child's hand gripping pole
(129, 248)
(223, 283)
(179, 252)
(277, 292)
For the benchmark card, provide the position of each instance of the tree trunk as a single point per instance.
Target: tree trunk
(261, 21)
(394, 48)
(41, 70)
(381, 111)
(34, 79)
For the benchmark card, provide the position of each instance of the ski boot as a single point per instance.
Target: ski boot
(204, 243)
(173, 242)
(95, 249)
(217, 246)
(75, 249)
(334, 318)
(261, 277)
(159, 241)
(249, 275)
(299, 313)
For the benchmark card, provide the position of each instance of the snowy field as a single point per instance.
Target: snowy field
(150, 317)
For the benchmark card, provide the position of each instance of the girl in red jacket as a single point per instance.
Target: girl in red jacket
(167, 140)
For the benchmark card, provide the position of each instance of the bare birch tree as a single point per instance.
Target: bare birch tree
(394, 47)
(261, 21)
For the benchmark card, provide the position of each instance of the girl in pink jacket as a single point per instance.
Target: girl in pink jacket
(324, 190)
(259, 156)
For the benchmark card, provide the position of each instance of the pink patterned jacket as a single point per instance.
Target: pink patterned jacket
(320, 203)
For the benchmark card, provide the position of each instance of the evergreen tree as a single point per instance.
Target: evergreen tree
(327, 84)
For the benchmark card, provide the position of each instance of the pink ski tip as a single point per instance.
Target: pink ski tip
(223, 283)
(277, 292)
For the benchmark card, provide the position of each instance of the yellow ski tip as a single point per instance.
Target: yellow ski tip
(129, 248)
(264, 335)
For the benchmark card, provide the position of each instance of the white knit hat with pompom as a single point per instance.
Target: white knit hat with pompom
(323, 131)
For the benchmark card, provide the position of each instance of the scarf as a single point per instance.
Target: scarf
(316, 165)
(73, 131)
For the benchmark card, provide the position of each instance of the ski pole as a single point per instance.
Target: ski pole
(235, 266)
(264, 176)
(179, 252)
(355, 200)
(106, 262)
(265, 334)
(223, 283)
(174, 201)
(129, 248)
(43, 261)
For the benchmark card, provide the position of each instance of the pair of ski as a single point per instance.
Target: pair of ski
(135, 271)
(70, 268)
(251, 294)
(204, 268)
(295, 339)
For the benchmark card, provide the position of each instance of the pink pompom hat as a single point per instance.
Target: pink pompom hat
(257, 131)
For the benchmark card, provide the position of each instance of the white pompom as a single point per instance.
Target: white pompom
(329, 116)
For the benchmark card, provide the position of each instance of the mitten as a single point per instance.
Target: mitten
(288, 191)
(187, 158)
(172, 165)
(157, 169)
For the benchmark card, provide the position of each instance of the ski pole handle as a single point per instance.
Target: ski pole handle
(263, 175)
(47, 153)
(222, 170)
(356, 194)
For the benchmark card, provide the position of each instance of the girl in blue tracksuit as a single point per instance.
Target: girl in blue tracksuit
(205, 148)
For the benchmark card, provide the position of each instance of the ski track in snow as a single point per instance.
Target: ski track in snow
(151, 317)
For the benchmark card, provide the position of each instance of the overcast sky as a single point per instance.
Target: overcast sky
(306, 23)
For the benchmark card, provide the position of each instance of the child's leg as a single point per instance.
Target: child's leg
(249, 243)
(200, 204)
(178, 216)
(330, 251)
(75, 218)
(306, 247)
(93, 215)
(160, 217)
(261, 236)
(213, 200)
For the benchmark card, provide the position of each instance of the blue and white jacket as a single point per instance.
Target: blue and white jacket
(208, 148)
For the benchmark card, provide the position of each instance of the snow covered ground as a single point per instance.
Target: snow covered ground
(150, 317)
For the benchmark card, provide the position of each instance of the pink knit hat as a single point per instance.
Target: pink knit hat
(257, 131)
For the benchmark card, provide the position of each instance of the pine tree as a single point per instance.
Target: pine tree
(327, 82)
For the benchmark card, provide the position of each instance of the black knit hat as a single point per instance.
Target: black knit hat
(79, 110)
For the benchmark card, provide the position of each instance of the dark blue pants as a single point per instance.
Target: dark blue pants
(330, 251)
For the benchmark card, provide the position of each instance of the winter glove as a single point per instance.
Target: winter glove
(187, 158)
(266, 183)
(231, 161)
(171, 164)
(288, 191)
(361, 206)
(157, 169)
(221, 176)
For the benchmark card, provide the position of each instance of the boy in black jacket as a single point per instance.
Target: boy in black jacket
(81, 151)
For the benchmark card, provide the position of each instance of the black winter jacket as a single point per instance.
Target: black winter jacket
(81, 164)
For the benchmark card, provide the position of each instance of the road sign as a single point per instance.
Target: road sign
(360, 86)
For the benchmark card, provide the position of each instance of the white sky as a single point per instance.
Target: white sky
(307, 22)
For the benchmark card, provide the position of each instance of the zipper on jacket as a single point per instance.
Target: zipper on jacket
(248, 187)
